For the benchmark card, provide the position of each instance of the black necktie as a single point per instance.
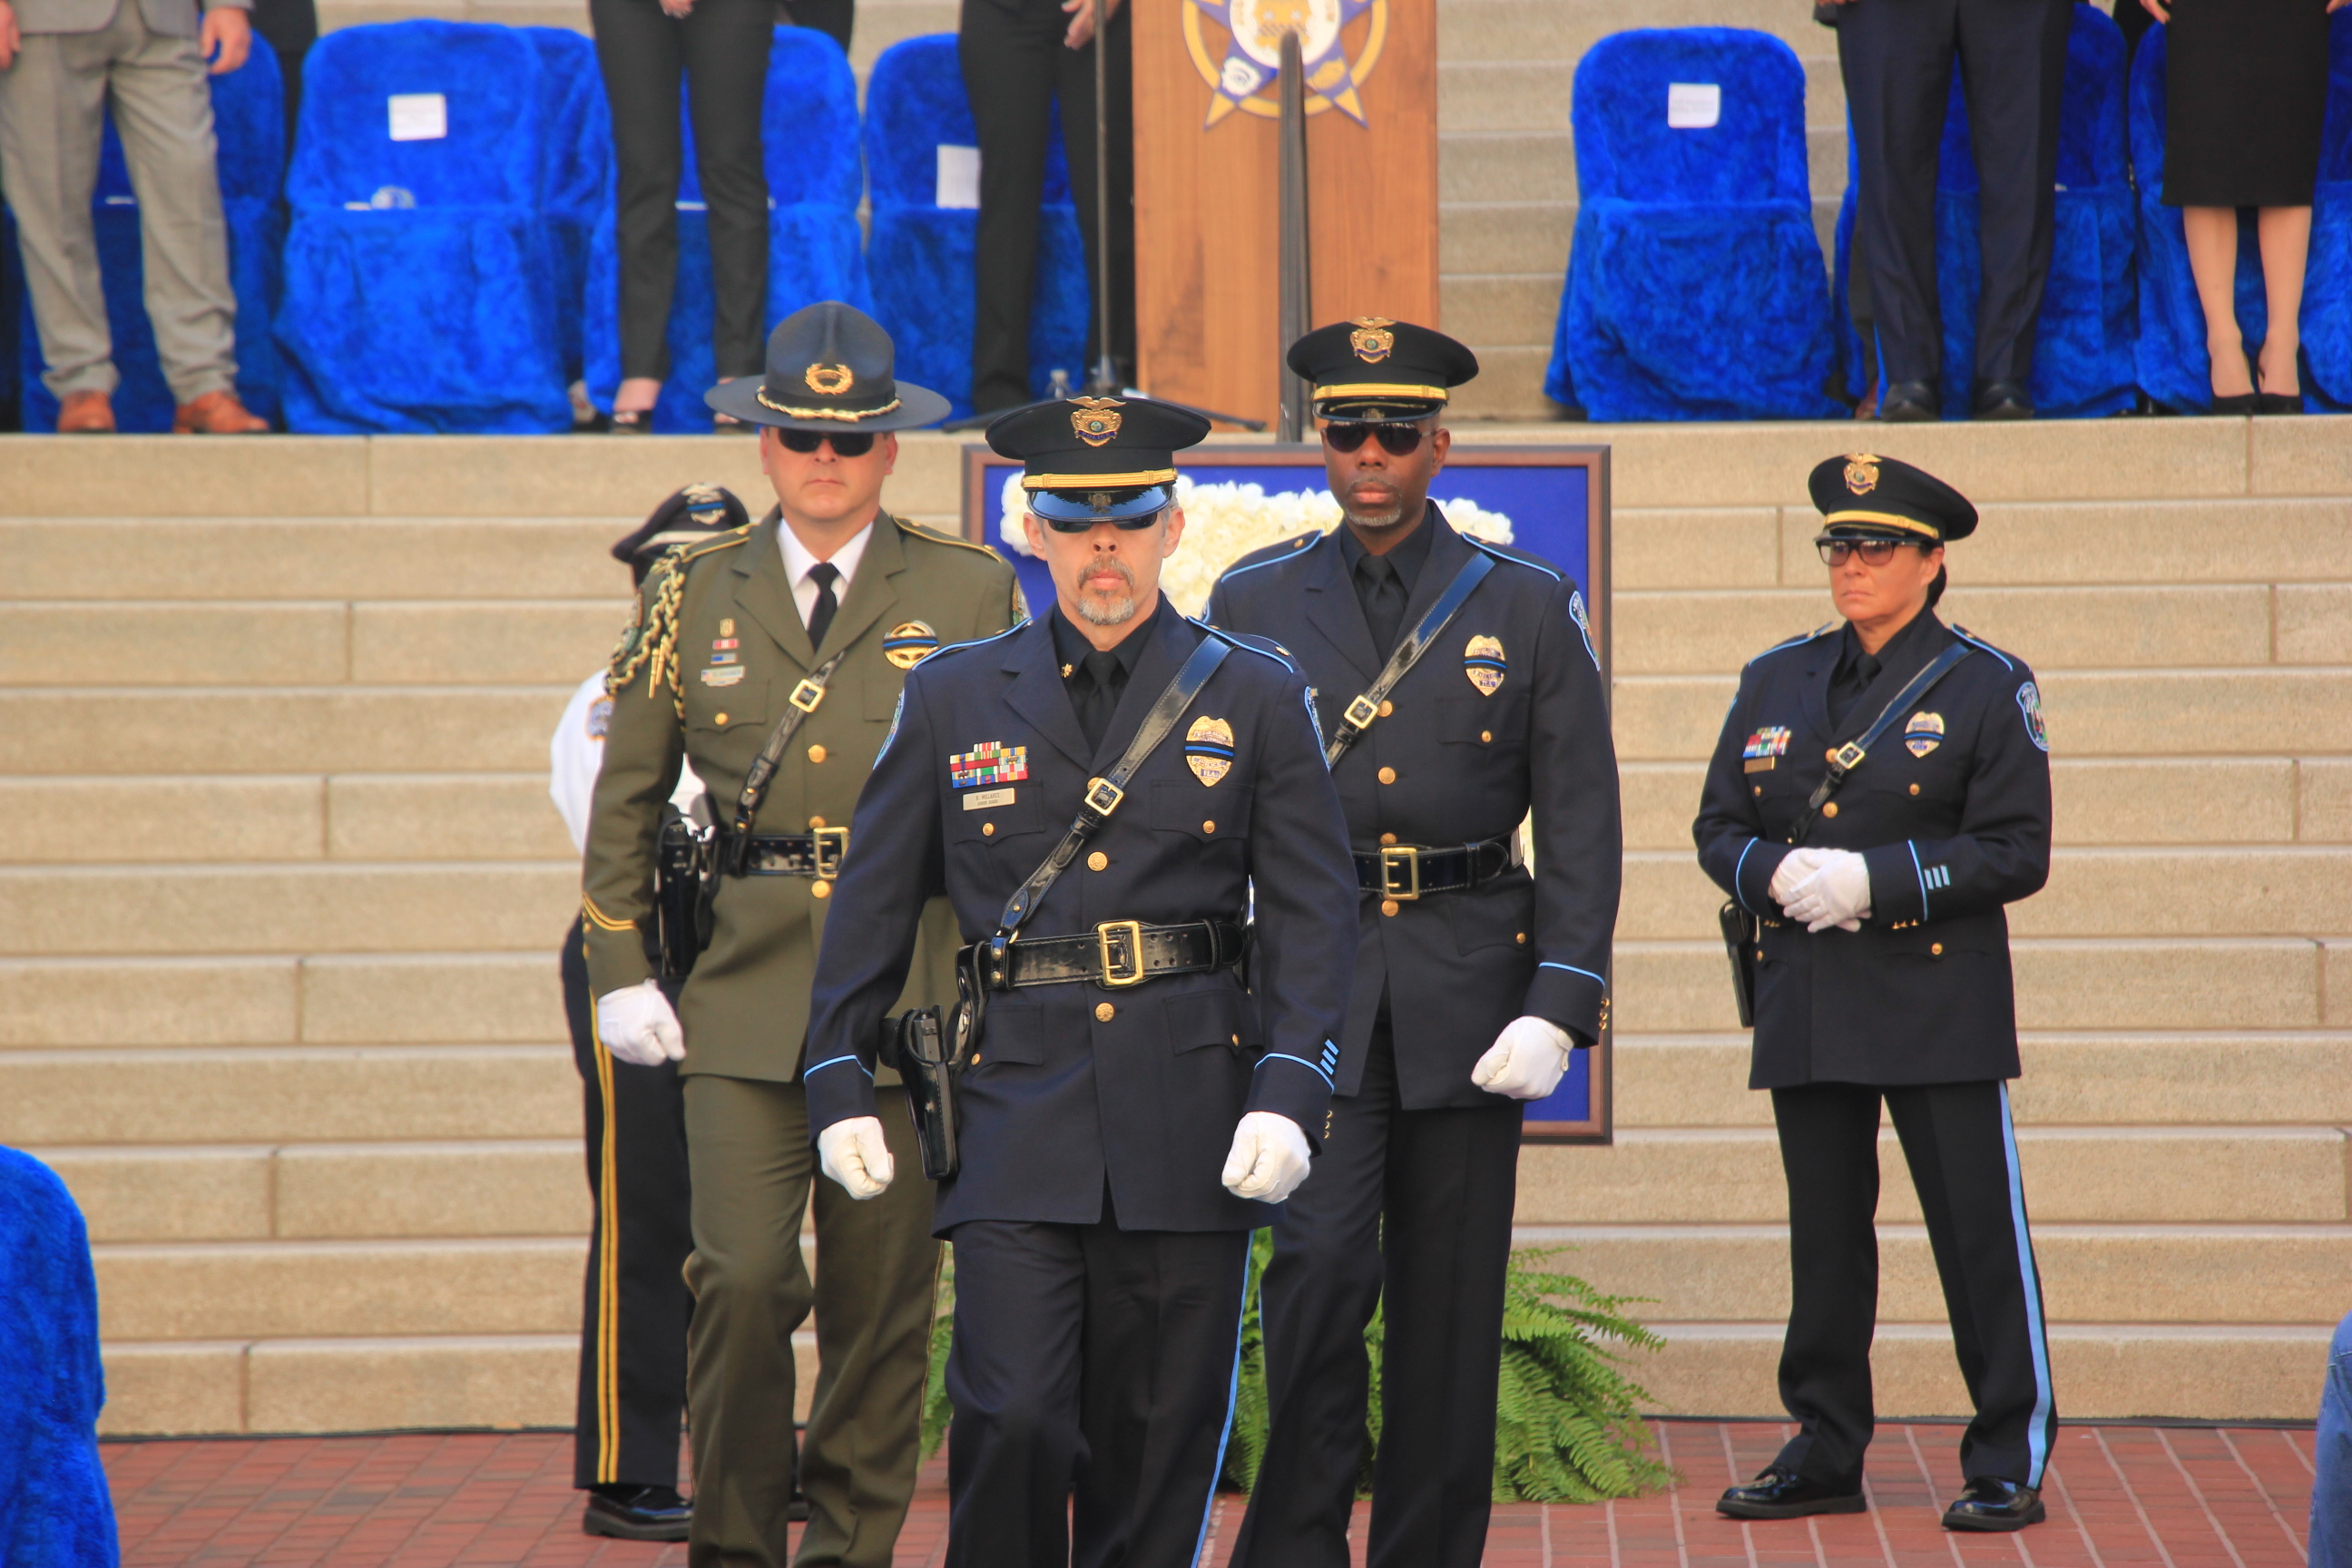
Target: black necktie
(824, 573)
(1381, 592)
(1097, 696)
(1847, 690)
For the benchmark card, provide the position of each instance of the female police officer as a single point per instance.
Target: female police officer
(1879, 793)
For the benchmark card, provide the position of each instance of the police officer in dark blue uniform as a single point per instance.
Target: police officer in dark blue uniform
(1152, 1059)
(1880, 792)
(1474, 978)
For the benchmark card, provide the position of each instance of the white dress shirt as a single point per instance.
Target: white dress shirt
(797, 561)
(576, 754)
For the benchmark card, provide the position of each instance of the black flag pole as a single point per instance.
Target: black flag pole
(1103, 383)
(1294, 304)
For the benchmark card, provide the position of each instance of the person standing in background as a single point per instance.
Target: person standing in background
(833, 18)
(633, 1330)
(722, 48)
(2245, 90)
(1019, 56)
(1896, 57)
(289, 27)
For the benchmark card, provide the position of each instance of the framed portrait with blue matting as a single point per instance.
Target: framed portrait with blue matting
(1552, 501)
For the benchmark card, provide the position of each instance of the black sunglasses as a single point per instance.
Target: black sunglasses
(1873, 552)
(1085, 524)
(1396, 440)
(845, 444)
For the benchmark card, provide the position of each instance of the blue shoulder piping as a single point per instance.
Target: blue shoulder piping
(976, 642)
(1791, 642)
(1979, 642)
(1291, 551)
(1500, 554)
(1233, 639)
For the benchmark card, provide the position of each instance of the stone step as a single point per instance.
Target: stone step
(361, 999)
(2101, 1176)
(2091, 713)
(1504, 237)
(2201, 892)
(1678, 987)
(2085, 1079)
(481, 906)
(281, 730)
(2186, 800)
(1510, 388)
(358, 1383)
(2117, 1371)
(278, 1094)
(2116, 1274)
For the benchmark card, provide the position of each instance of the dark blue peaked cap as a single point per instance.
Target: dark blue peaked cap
(1863, 496)
(1097, 458)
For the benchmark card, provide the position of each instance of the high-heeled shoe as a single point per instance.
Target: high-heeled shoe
(2278, 402)
(2236, 402)
(629, 422)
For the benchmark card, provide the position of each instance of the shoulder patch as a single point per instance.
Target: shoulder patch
(1515, 557)
(897, 714)
(917, 531)
(1247, 643)
(1267, 555)
(1976, 642)
(2029, 703)
(1583, 625)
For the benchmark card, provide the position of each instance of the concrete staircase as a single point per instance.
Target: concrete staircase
(280, 889)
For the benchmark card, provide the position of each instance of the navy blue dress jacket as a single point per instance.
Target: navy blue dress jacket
(979, 778)
(1951, 811)
(1466, 763)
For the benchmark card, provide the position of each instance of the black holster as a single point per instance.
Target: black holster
(928, 1068)
(1741, 934)
(684, 878)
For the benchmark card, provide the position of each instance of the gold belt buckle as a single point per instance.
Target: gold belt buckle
(806, 695)
(832, 844)
(1408, 857)
(1102, 798)
(1848, 757)
(1360, 713)
(1131, 931)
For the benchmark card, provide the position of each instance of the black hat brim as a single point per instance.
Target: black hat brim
(1074, 506)
(917, 406)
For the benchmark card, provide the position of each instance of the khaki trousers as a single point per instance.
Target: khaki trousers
(752, 1167)
(53, 103)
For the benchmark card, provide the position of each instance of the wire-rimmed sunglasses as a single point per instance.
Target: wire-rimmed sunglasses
(1086, 524)
(846, 443)
(1397, 439)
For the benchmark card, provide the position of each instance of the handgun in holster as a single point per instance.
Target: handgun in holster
(928, 1069)
(683, 878)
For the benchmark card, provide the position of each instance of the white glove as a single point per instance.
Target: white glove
(1799, 864)
(638, 1027)
(853, 1153)
(1270, 1158)
(1525, 1061)
(1837, 894)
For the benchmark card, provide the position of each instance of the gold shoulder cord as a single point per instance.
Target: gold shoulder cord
(649, 642)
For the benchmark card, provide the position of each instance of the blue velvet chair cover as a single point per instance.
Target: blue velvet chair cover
(2083, 347)
(2327, 324)
(577, 178)
(919, 258)
(1694, 284)
(249, 128)
(809, 136)
(419, 274)
(55, 1511)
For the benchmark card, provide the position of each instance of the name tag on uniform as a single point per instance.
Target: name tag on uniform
(987, 798)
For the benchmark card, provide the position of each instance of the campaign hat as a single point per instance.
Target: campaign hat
(831, 368)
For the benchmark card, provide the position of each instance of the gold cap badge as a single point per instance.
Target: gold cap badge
(830, 379)
(1094, 419)
(1862, 473)
(1372, 340)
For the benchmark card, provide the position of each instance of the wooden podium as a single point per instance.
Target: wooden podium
(1206, 221)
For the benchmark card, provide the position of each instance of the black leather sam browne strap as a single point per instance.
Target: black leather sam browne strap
(1358, 715)
(799, 705)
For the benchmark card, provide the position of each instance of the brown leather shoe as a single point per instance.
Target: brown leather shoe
(85, 414)
(217, 414)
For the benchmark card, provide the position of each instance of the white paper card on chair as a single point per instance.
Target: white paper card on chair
(419, 116)
(1692, 105)
(958, 182)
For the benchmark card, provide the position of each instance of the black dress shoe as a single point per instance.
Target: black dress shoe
(2003, 400)
(1910, 402)
(2278, 402)
(1784, 1494)
(2236, 402)
(1990, 1503)
(636, 1513)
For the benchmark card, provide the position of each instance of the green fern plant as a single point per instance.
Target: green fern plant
(1568, 1424)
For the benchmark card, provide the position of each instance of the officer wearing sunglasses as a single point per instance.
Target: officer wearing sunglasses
(1475, 977)
(800, 628)
(1880, 794)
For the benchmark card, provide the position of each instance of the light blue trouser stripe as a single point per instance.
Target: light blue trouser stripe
(2037, 1436)
(1233, 1398)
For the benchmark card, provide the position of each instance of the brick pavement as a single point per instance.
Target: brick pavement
(2120, 1496)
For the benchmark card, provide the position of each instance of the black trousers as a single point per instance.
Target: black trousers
(833, 18)
(1014, 67)
(289, 27)
(1444, 1181)
(1896, 58)
(722, 48)
(1093, 1380)
(633, 1331)
(1962, 1151)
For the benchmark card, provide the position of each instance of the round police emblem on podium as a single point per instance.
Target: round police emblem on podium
(1246, 76)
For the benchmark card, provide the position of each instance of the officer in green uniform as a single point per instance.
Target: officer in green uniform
(798, 629)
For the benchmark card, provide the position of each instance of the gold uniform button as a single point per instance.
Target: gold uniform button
(975, 1059)
(1914, 789)
(1388, 906)
(1209, 826)
(1830, 810)
(816, 822)
(1388, 776)
(1237, 1040)
(1936, 948)
(1105, 1012)
(1387, 708)
(821, 890)
(1097, 861)
(817, 754)
(1830, 755)
(1523, 939)
(1487, 737)
(719, 718)
(988, 830)
(1388, 837)
(1760, 789)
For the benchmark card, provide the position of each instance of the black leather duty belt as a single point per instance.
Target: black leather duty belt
(1115, 954)
(1406, 872)
(817, 853)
